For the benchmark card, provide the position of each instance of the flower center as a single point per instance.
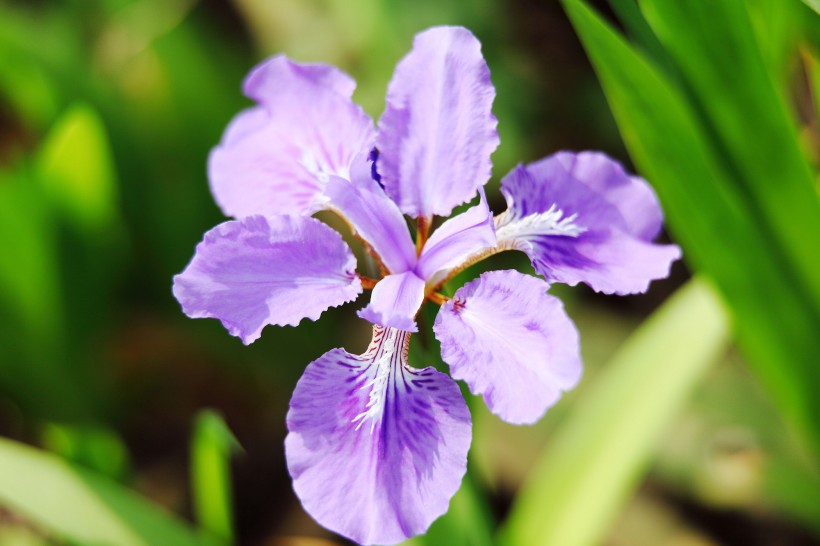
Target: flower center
(316, 167)
(549, 222)
(385, 358)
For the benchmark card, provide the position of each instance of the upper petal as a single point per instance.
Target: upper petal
(276, 158)
(376, 448)
(395, 301)
(573, 232)
(265, 82)
(457, 239)
(260, 271)
(375, 216)
(511, 342)
(438, 131)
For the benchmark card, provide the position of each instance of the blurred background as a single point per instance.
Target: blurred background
(108, 110)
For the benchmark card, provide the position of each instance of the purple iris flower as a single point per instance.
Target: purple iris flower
(377, 448)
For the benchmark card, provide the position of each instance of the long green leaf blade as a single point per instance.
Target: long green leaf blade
(775, 321)
(77, 169)
(82, 506)
(598, 453)
(211, 449)
(714, 45)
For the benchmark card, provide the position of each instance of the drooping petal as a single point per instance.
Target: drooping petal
(611, 263)
(395, 301)
(511, 342)
(573, 233)
(374, 215)
(376, 448)
(631, 195)
(276, 158)
(538, 187)
(259, 271)
(438, 131)
(457, 239)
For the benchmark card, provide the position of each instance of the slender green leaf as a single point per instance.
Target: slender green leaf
(715, 46)
(31, 304)
(77, 169)
(211, 449)
(29, 283)
(711, 214)
(813, 4)
(598, 454)
(632, 18)
(78, 505)
(95, 447)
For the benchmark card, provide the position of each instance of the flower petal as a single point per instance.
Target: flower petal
(374, 215)
(276, 158)
(395, 301)
(511, 342)
(573, 233)
(376, 448)
(265, 81)
(438, 131)
(631, 195)
(260, 271)
(612, 263)
(457, 239)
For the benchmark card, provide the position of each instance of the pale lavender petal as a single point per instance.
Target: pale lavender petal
(612, 264)
(511, 342)
(260, 271)
(457, 239)
(537, 187)
(376, 448)
(375, 216)
(276, 158)
(573, 233)
(395, 301)
(631, 195)
(438, 131)
(265, 82)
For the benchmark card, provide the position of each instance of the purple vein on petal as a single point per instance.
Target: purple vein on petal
(276, 158)
(376, 448)
(257, 271)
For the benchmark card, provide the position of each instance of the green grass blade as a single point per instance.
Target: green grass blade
(81, 506)
(630, 15)
(211, 448)
(597, 455)
(710, 214)
(813, 4)
(715, 47)
(77, 169)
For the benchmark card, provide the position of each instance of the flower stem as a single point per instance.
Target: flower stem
(422, 232)
(438, 298)
(367, 282)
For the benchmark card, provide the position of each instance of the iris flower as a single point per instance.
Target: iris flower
(376, 447)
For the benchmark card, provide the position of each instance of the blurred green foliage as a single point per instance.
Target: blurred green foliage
(72, 502)
(211, 448)
(599, 450)
(107, 112)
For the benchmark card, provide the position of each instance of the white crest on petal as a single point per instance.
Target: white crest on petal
(510, 228)
(320, 168)
(387, 352)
